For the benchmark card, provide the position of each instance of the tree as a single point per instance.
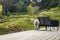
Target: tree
(33, 3)
(20, 4)
(53, 3)
(49, 3)
(30, 10)
(6, 5)
(58, 1)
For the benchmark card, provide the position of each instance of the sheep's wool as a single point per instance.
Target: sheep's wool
(36, 22)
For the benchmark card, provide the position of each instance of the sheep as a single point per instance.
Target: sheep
(35, 23)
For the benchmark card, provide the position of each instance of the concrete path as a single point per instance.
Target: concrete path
(33, 35)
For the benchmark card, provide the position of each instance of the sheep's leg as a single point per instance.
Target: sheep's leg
(46, 28)
(35, 27)
(57, 28)
(50, 28)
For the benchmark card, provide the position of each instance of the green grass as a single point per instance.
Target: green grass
(21, 21)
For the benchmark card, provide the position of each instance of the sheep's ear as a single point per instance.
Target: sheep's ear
(32, 20)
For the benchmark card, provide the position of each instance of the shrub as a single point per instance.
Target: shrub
(0, 9)
(56, 9)
(30, 10)
(51, 15)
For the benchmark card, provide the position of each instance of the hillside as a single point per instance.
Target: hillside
(22, 22)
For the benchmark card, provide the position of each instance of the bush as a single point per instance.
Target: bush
(30, 10)
(23, 23)
(56, 9)
(0, 9)
(33, 3)
(52, 15)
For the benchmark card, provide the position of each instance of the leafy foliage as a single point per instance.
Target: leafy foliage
(56, 9)
(30, 10)
(0, 8)
(20, 4)
(52, 15)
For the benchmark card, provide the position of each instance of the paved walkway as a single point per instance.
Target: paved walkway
(33, 35)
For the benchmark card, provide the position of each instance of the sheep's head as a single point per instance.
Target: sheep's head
(32, 20)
